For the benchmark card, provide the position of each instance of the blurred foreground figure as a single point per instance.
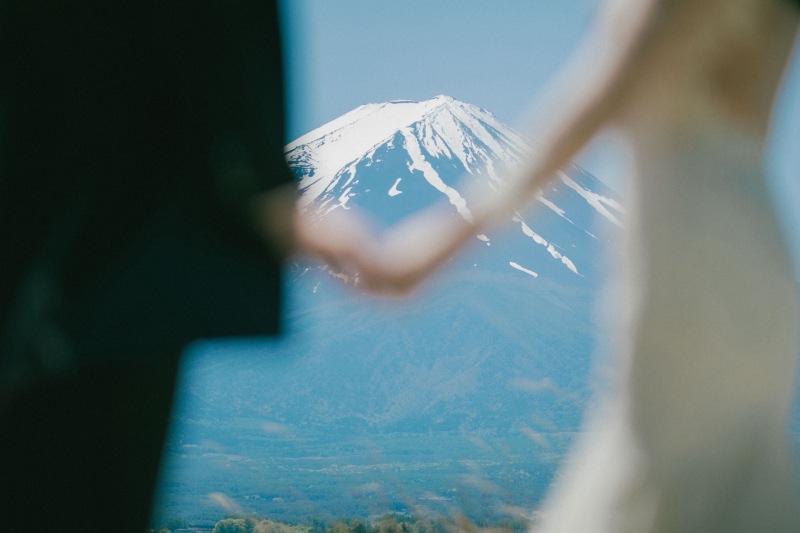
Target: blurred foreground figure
(144, 203)
(694, 436)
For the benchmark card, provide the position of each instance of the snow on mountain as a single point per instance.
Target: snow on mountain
(392, 159)
(439, 127)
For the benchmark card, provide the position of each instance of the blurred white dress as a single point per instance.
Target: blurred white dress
(694, 437)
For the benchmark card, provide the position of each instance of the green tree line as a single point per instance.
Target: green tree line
(390, 523)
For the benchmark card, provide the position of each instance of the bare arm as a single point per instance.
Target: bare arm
(588, 94)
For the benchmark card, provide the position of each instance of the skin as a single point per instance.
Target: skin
(344, 241)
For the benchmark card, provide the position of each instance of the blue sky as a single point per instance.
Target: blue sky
(495, 54)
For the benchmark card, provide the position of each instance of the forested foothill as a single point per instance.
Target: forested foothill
(388, 523)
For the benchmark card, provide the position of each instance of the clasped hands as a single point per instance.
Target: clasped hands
(391, 261)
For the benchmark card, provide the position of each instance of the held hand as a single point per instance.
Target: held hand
(410, 252)
(395, 263)
(343, 239)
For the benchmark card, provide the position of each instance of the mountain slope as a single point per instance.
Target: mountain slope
(496, 347)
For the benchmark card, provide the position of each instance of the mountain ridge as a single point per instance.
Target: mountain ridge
(321, 157)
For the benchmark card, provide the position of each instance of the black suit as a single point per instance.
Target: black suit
(133, 135)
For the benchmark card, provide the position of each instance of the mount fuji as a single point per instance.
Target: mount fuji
(518, 293)
(487, 369)
(392, 159)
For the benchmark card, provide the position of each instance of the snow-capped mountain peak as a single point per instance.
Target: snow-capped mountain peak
(441, 126)
(393, 159)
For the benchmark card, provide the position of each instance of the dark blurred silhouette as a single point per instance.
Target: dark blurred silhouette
(144, 203)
